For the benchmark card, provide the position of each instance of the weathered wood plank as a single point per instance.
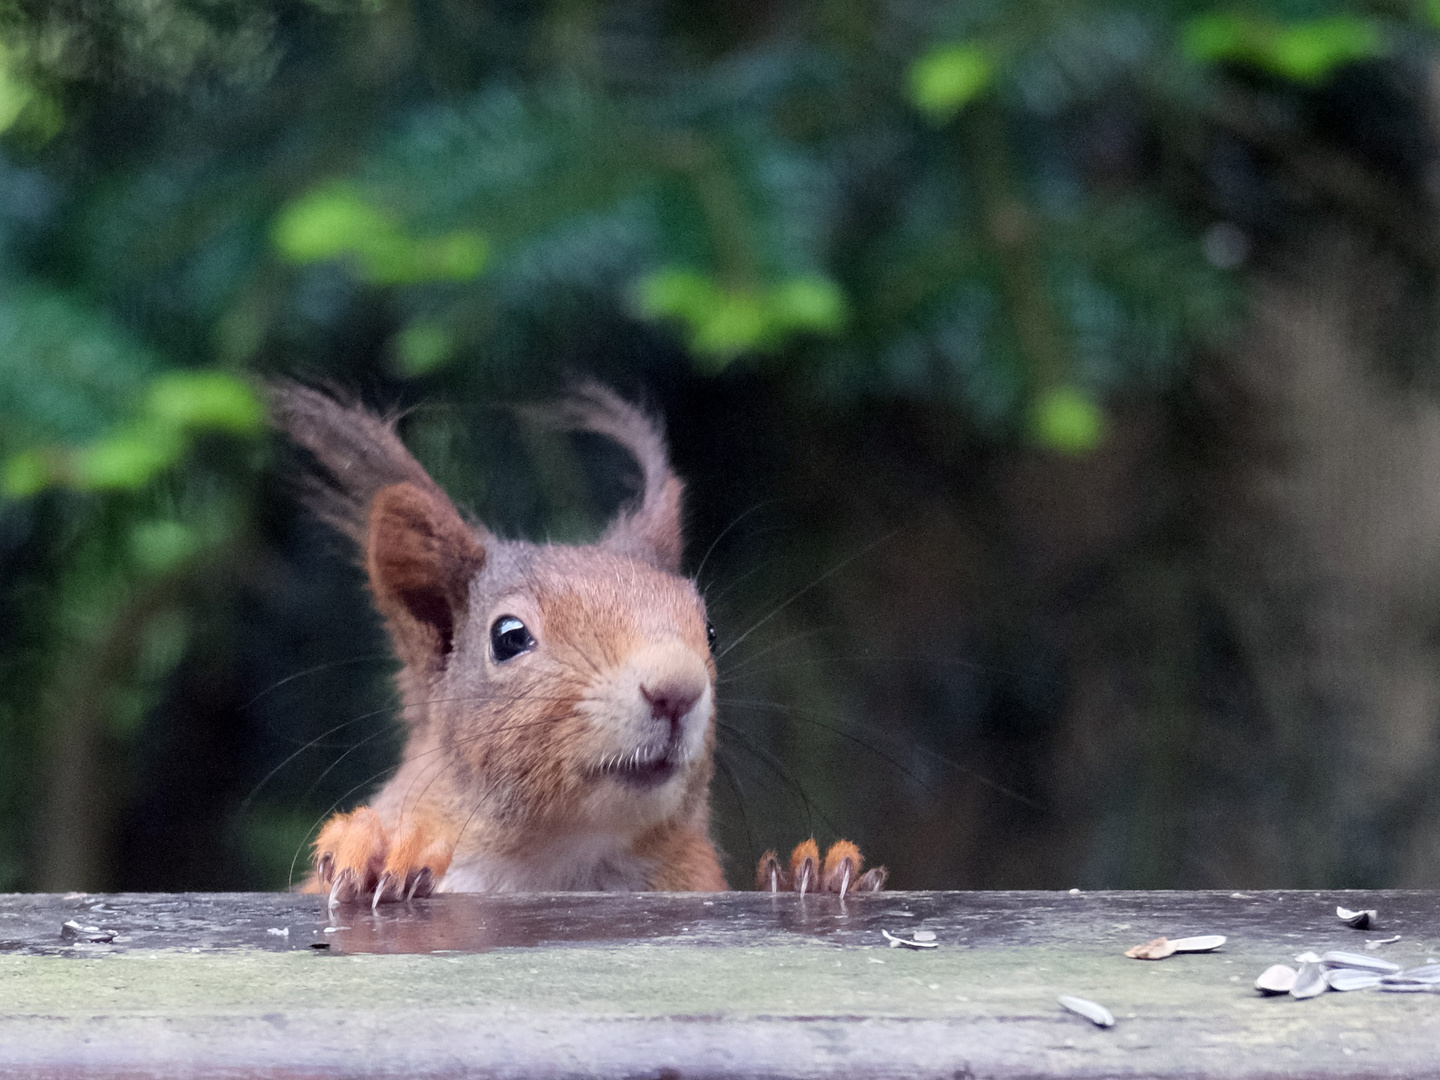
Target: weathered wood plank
(729, 984)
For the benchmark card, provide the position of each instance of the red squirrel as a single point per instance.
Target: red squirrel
(559, 700)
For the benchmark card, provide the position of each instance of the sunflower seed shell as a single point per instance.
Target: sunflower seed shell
(1360, 920)
(1359, 962)
(908, 943)
(1309, 981)
(1344, 979)
(1096, 1013)
(1204, 943)
(1427, 973)
(1276, 979)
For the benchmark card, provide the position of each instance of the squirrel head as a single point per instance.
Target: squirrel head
(552, 684)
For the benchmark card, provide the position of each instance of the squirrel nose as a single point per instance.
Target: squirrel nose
(671, 701)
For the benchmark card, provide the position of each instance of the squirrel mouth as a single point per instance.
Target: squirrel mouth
(645, 766)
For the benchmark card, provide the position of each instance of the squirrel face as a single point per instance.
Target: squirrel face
(580, 688)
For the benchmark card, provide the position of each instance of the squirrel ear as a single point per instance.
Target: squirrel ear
(421, 557)
(651, 529)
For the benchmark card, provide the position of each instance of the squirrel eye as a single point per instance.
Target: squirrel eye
(710, 633)
(509, 638)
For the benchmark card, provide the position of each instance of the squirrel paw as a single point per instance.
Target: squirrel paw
(357, 857)
(839, 873)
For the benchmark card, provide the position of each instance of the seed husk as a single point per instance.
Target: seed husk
(1344, 979)
(1096, 1013)
(1204, 943)
(1276, 979)
(1152, 950)
(908, 943)
(1309, 981)
(1359, 962)
(1426, 973)
(1360, 920)
(71, 930)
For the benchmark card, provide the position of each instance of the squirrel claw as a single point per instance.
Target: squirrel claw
(343, 890)
(873, 880)
(839, 872)
(357, 855)
(771, 876)
(384, 885)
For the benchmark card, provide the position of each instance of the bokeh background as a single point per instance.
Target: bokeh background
(1058, 385)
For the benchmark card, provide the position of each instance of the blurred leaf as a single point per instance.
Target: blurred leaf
(1065, 419)
(809, 303)
(737, 322)
(680, 294)
(423, 347)
(947, 79)
(1306, 52)
(128, 459)
(25, 474)
(162, 545)
(336, 222)
(15, 95)
(22, 106)
(721, 323)
(328, 223)
(199, 400)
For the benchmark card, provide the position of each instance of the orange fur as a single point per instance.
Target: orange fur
(581, 760)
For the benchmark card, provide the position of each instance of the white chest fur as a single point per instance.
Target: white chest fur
(595, 862)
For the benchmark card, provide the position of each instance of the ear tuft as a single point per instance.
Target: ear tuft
(421, 558)
(651, 529)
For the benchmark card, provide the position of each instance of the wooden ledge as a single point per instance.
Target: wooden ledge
(698, 985)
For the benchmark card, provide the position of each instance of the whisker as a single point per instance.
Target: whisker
(245, 803)
(778, 767)
(801, 592)
(789, 639)
(806, 717)
(728, 528)
(835, 658)
(843, 734)
(370, 659)
(332, 766)
(734, 783)
(741, 578)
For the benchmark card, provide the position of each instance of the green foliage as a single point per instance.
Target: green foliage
(334, 222)
(721, 323)
(177, 407)
(1306, 52)
(204, 400)
(1067, 420)
(945, 80)
(23, 106)
(423, 347)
